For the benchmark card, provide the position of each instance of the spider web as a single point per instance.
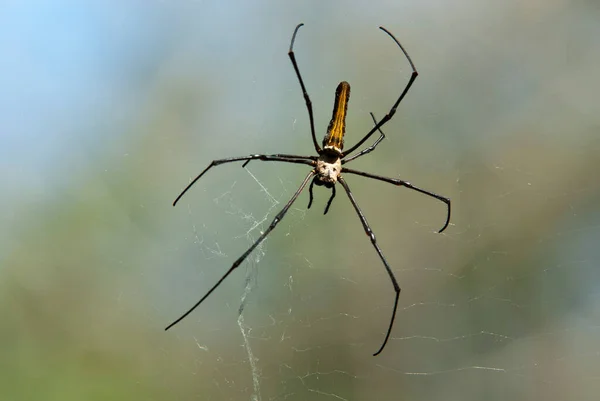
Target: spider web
(432, 322)
(254, 226)
(250, 279)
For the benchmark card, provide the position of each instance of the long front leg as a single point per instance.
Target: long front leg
(392, 111)
(304, 92)
(239, 261)
(371, 236)
(309, 160)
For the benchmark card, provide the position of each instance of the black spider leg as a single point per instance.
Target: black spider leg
(408, 185)
(310, 193)
(370, 148)
(239, 261)
(330, 199)
(304, 93)
(392, 111)
(310, 160)
(286, 156)
(371, 235)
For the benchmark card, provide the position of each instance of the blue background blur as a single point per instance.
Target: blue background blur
(108, 108)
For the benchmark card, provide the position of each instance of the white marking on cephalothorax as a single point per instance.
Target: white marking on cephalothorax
(329, 167)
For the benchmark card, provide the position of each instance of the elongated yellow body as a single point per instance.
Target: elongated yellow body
(334, 139)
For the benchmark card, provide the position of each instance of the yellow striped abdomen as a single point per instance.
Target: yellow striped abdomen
(337, 126)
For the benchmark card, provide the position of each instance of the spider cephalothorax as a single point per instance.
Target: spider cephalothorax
(327, 170)
(329, 167)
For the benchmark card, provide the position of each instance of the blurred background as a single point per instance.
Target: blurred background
(108, 109)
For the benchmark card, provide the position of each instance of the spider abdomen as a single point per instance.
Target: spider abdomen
(334, 139)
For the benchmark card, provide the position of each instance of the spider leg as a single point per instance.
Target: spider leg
(310, 199)
(392, 111)
(239, 261)
(408, 185)
(304, 93)
(330, 199)
(370, 148)
(371, 235)
(310, 193)
(309, 160)
(285, 156)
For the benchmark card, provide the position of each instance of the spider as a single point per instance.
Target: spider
(328, 168)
